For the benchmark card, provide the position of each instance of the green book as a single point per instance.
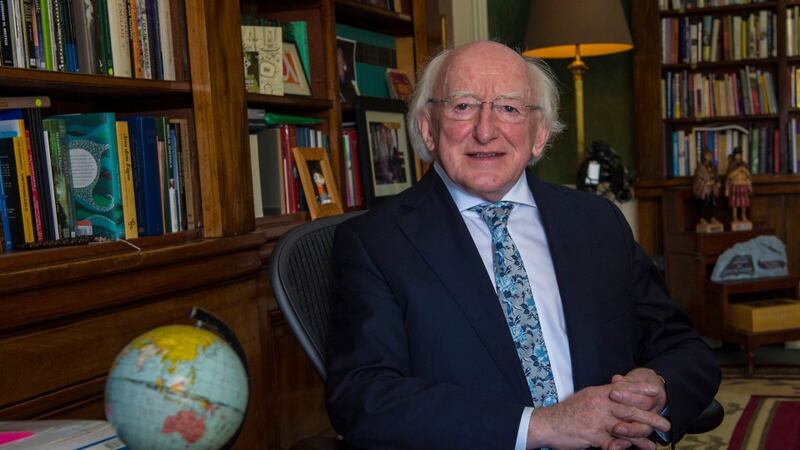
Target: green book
(375, 52)
(92, 143)
(280, 119)
(298, 32)
(46, 25)
(62, 175)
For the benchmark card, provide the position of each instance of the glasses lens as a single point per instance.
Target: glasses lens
(512, 111)
(464, 108)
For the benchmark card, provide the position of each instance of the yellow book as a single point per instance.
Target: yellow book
(126, 181)
(23, 172)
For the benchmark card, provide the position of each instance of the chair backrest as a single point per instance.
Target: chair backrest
(302, 276)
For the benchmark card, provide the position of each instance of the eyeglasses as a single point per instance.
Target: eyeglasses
(506, 110)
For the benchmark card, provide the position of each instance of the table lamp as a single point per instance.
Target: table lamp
(575, 29)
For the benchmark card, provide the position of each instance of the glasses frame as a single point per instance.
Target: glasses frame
(480, 103)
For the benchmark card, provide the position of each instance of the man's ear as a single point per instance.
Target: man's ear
(539, 141)
(427, 130)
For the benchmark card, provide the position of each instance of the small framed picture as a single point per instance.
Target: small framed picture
(346, 70)
(386, 161)
(295, 79)
(319, 186)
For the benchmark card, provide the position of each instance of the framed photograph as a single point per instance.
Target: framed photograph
(346, 70)
(295, 80)
(319, 186)
(385, 156)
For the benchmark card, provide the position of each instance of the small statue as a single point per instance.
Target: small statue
(738, 188)
(706, 190)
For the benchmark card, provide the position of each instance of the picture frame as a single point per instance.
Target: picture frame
(319, 185)
(295, 79)
(385, 156)
(346, 70)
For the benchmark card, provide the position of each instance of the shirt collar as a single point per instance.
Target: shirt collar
(519, 193)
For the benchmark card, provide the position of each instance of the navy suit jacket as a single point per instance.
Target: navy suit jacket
(420, 355)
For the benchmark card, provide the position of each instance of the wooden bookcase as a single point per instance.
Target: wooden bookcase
(776, 202)
(295, 393)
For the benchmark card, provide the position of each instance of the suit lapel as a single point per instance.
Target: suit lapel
(434, 226)
(570, 250)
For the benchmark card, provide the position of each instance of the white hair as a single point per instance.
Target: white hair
(544, 87)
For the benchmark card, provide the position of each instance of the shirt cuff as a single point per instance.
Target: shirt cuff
(664, 436)
(522, 433)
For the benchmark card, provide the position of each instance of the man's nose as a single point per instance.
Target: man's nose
(486, 127)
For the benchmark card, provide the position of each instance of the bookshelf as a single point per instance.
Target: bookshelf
(777, 189)
(294, 391)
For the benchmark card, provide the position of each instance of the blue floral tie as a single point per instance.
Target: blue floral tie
(516, 298)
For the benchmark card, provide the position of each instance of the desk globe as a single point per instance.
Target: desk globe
(176, 387)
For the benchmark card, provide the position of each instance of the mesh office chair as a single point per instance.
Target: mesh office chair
(302, 276)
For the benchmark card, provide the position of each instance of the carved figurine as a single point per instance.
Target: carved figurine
(738, 188)
(706, 190)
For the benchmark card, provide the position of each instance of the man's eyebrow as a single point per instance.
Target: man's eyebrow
(506, 96)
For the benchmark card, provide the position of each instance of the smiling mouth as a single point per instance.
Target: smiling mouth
(481, 155)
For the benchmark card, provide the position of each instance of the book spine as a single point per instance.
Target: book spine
(14, 235)
(5, 35)
(30, 32)
(58, 28)
(126, 181)
(36, 200)
(70, 42)
(144, 38)
(154, 39)
(120, 39)
(166, 48)
(133, 37)
(24, 190)
(104, 37)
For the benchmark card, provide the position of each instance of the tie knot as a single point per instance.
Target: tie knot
(494, 214)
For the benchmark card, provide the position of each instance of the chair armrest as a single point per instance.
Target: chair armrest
(709, 419)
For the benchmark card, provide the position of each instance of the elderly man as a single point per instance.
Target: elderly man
(486, 309)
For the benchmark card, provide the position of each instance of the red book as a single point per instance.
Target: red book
(289, 141)
(776, 151)
(36, 204)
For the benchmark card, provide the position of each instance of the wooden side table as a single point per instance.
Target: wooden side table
(719, 297)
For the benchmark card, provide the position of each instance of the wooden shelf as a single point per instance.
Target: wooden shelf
(719, 9)
(729, 119)
(288, 102)
(43, 81)
(361, 15)
(701, 66)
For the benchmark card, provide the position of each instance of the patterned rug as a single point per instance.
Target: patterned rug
(761, 413)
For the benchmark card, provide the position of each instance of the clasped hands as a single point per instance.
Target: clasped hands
(614, 416)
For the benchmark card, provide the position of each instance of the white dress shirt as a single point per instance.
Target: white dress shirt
(525, 228)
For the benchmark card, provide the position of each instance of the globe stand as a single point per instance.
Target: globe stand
(211, 322)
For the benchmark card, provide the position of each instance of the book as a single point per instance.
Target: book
(255, 176)
(166, 40)
(23, 177)
(297, 32)
(92, 145)
(270, 172)
(188, 176)
(400, 86)
(126, 180)
(62, 176)
(119, 37)
(14, 234)
(144, 155)
(59, 435)
(265, 44)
